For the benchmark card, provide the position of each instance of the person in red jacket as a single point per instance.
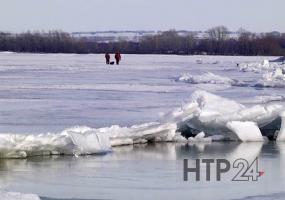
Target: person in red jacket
(118, 58)
(107, 57)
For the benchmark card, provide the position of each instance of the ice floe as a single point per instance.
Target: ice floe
(208, 78)
(207, 117)
(264, 66)
(84, 140)
(74, 141)
(273, 73)
(214, 115)
(276, 78)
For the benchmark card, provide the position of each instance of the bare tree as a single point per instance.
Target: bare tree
(218, 33)
(168, 42)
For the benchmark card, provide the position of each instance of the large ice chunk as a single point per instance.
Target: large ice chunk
(264, 66)
(90, 142)
(212, 114)
(281, 134)
(79, 140)
(246, 131)
(276, 78)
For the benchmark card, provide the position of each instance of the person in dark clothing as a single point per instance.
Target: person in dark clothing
(107, 57)
(118, 58)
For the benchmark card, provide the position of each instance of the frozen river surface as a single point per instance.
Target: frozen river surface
(49, 93)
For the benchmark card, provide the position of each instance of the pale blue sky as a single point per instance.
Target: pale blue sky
(95, 15)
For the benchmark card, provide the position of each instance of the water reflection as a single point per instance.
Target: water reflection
(149, 170)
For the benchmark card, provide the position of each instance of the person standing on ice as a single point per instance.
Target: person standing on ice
(118, 58)
(107, 57)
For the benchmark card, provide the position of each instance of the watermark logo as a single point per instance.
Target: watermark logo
(243, 169)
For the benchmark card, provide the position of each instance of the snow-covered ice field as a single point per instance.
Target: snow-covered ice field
(60, 104)
(48, 93)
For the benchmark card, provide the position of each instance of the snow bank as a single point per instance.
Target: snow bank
(245, 131)
(17, 196)
(208, 78)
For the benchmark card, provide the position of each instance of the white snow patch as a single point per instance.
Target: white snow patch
(267, 99)
(17, 196)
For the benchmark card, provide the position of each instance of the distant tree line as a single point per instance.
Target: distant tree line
(217, 41)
